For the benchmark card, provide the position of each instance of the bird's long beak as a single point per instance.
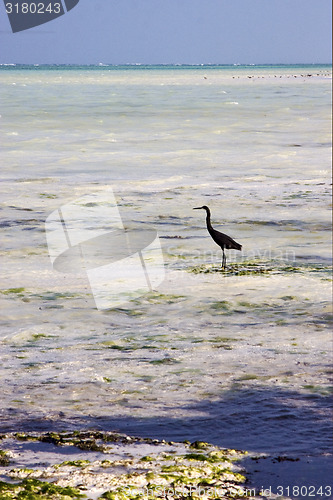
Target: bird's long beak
(197, 208)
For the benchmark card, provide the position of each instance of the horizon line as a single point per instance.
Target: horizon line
(197, 65)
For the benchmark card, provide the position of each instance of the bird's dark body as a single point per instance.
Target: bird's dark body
(221, 239)
(228, 242)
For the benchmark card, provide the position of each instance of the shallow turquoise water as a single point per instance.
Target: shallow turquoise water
(240, 358)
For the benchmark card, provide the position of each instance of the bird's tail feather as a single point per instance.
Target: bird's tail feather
(233, 244)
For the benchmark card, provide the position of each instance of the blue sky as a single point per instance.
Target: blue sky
(176, 31)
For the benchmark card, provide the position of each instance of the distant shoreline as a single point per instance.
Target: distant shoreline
(141, 66)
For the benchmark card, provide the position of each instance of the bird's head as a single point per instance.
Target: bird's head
(204, 207)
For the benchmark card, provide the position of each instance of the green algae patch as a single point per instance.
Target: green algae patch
(121, 495)
(56, 295)
(248, 376)
(73, 463)
(211, 458)
(244, 268)
(164, 361)
(48, 195)
(264, 268)
(147, 458)
(32, 489)
(14, 291)
(318, 389)
(4, 459)
(22, 436)
(199, 445)
(161, 298)
(222, 305)
(122, 471)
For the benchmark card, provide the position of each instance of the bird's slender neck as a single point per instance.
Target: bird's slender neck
(209, 226)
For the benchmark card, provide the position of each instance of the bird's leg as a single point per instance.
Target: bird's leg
(223, 259)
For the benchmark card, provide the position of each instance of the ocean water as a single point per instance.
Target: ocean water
(240, 358)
